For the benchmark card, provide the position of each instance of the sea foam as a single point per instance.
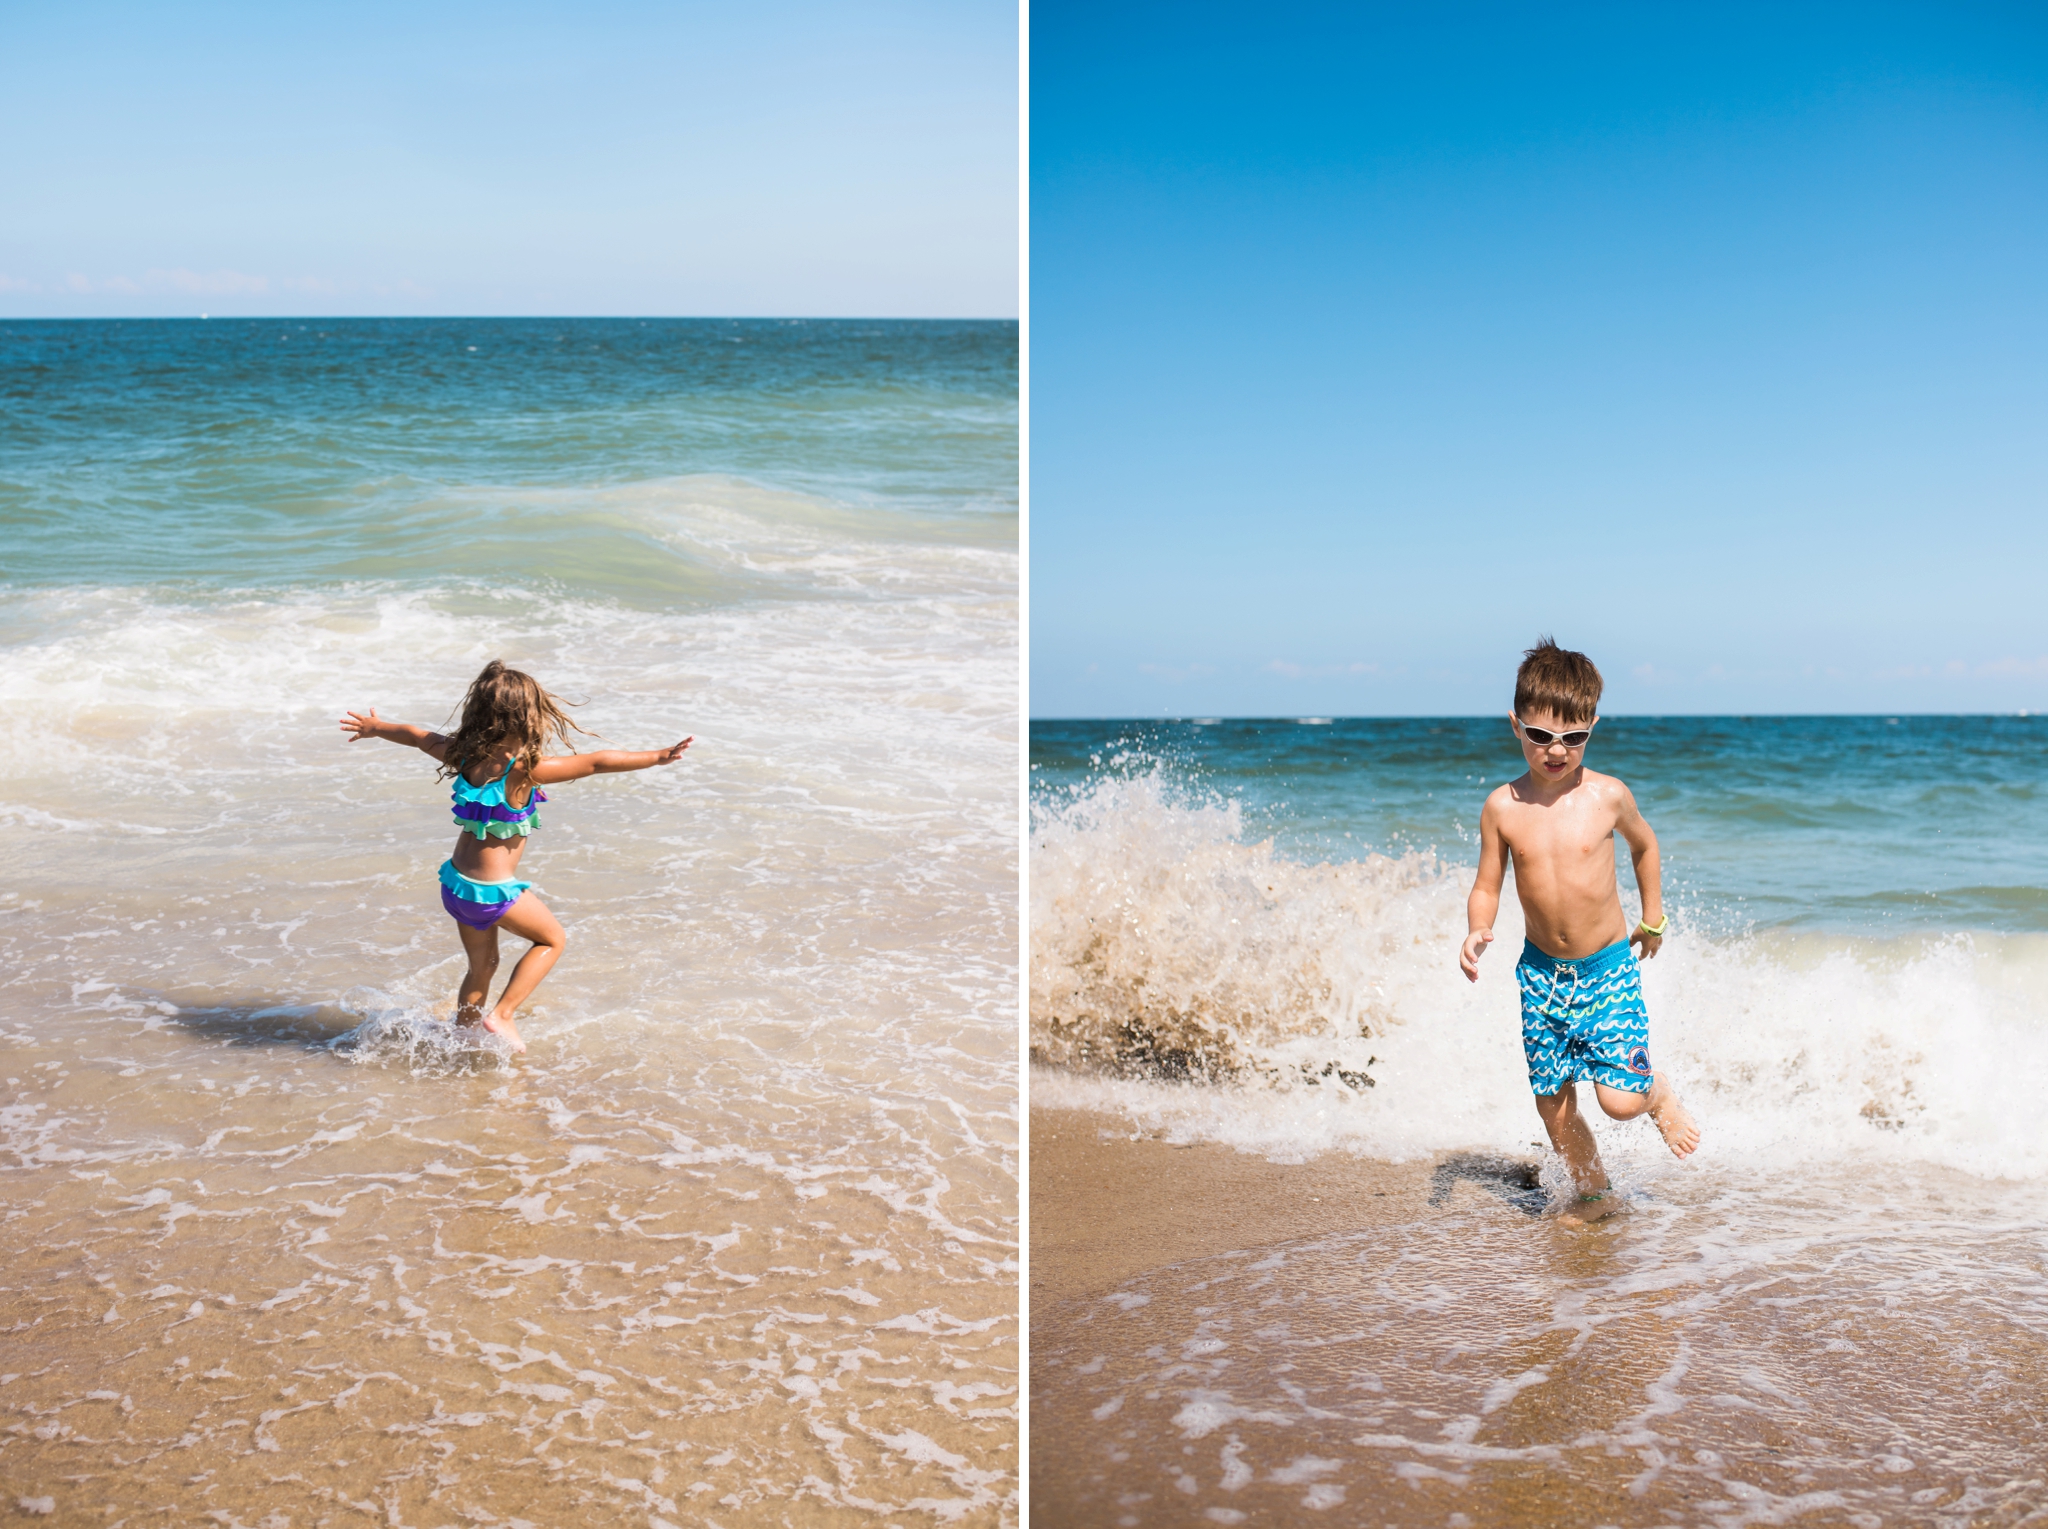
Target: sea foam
(1215, 990)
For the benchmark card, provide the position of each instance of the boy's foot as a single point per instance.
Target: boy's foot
(1676, 1126)
(1596, 1205)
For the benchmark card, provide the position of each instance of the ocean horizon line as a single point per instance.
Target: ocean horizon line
(1297, 720)
(521, 318)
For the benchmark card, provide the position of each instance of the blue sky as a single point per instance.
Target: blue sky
(669, 157)
(1369, 342)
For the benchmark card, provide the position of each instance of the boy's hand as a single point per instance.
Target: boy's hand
(1651, 943)
(1470, 952)
(358, 727)
(670, 756)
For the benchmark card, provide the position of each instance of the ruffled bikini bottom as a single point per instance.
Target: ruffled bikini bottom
(479, 904)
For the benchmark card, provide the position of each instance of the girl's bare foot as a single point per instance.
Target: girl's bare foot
(1676, 1126)
(501, 1026)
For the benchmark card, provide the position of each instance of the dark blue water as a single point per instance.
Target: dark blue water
(1854, 824)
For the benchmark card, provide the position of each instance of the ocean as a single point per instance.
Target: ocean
(1246, 932)
(737, 1240)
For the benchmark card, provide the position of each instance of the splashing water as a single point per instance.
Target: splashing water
(389, 1030)
(1836, 1311)
(735, 1240)
(1163, 946)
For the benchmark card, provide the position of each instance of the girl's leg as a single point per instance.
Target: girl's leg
(530, 920)
(481, 946)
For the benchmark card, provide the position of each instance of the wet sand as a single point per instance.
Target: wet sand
(1110, 1203)
(1221, 1339)
(1105, 1206)
(735, 1242)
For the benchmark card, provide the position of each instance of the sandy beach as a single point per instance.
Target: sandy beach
(1220, 1338)
(1110, 1200)
(1244, 995)
(735, 1241)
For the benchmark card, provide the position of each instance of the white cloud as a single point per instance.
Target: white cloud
(1956, 668)
(214, 283)
(2028, 667)
(1175, 676)
(220, 283)
(1293, 671)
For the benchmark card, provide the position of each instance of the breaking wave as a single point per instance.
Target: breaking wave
(1212, 989)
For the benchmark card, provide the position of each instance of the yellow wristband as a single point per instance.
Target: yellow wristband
(1656, 931)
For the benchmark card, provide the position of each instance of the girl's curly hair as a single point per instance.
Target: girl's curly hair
(505, 712)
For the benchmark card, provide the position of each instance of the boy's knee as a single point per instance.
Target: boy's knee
(1620, 1104)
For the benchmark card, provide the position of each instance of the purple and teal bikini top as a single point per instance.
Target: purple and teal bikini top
(483, 810)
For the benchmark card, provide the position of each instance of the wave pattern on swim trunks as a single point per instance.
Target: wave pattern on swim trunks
(1584, 1020)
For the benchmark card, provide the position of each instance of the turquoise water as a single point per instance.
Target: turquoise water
(742, 1226)
(247, 452)
(1872, 825)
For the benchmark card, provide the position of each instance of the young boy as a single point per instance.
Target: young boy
(1582, 991)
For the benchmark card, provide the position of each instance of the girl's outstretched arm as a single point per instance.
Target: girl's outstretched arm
(359, 726)
(605, 762)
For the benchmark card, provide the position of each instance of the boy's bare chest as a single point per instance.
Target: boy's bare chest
(1559, 836)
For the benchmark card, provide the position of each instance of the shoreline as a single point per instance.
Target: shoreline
(1218, 1337)
(1109, 1201)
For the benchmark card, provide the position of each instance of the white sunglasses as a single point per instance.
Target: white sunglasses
(1543, 737)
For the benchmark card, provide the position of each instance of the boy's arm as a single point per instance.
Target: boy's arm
(551, 772)
(359, 726)
(1642, 851)
(1484, 902)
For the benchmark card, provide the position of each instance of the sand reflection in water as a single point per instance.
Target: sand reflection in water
(735, 1241)
(436, 1288)
(1733, 1350)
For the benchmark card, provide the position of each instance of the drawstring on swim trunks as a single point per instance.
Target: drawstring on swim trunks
(1550, 1003)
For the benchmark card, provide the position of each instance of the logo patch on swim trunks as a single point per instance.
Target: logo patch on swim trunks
(1639, 1060)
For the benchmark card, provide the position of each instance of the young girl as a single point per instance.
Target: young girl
(495, 761)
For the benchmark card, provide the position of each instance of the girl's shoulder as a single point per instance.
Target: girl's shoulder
(491, 770)
(519, 785)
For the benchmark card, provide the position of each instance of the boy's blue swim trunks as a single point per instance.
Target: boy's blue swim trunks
(1585, 1019)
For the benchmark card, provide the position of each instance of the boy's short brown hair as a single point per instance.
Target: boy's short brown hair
(1558, 681)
